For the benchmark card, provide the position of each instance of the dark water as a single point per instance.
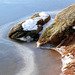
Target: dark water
(19, 58)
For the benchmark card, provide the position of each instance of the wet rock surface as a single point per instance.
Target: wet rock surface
(30, 27)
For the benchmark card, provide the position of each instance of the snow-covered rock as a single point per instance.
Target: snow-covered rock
(30, 27)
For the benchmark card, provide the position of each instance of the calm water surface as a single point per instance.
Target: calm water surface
(20, 58)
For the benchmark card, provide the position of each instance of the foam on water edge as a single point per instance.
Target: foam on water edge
(65, 59)
(28, 57)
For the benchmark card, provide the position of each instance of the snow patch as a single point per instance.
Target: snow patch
(65, 61)
(73, 27)
(27, 39)
(61, 50)
(69, 55)
(38, 44)
(31, 24)
(44, 15)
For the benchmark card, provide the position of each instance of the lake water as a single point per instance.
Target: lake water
(20, 58)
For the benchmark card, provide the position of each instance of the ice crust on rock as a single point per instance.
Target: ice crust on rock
(43, 15)
(66, 60)
(31, 24)
(27, 39)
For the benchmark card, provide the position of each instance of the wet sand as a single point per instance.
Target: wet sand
(20, 58)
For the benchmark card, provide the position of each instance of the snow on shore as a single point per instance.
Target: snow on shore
(66, 58)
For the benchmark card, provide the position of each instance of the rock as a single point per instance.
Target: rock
(70, 40)
(30, 27)
(61, 28)
(62, 33)
(67, 15)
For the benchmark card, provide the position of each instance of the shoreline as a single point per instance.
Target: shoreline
(43, 62)
(67, 56)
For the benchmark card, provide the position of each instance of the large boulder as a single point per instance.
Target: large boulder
(29, 28)
(62, 27)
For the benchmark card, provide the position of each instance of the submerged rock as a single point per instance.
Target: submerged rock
(30, 27)
(62, 27)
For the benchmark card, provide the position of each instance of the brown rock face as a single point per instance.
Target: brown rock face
(67, 15)
(70, 40)
(61, 28)
(17, 31)
(69, 49)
